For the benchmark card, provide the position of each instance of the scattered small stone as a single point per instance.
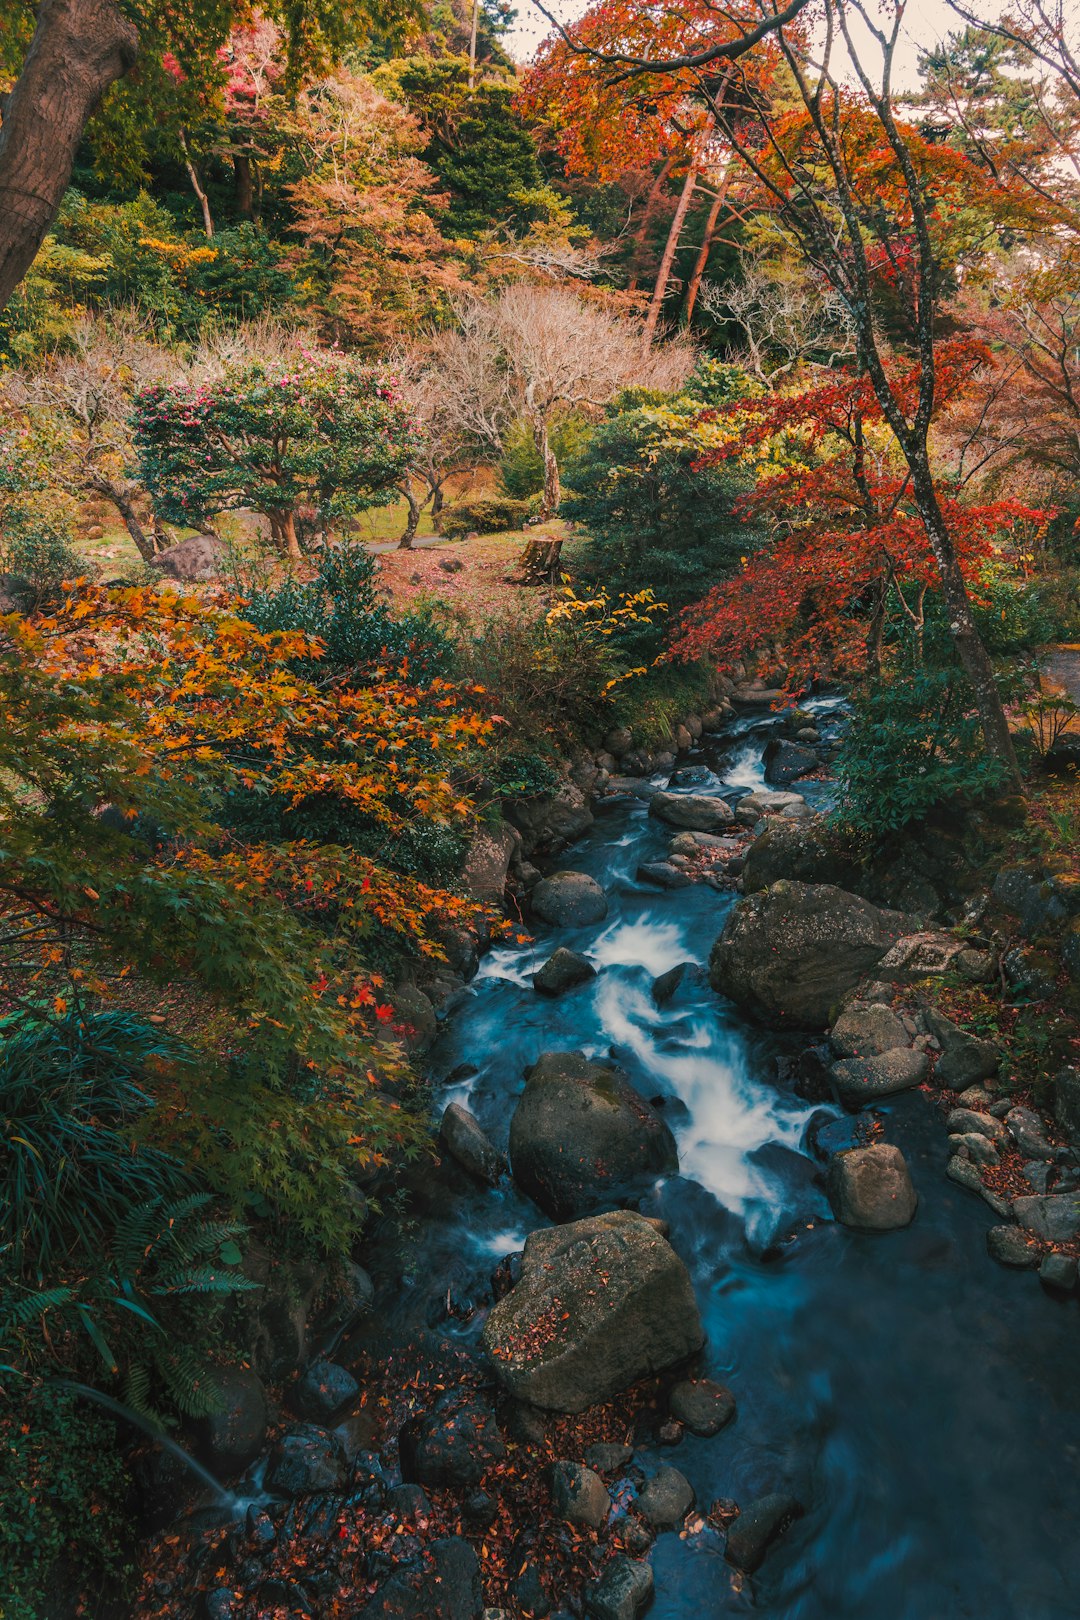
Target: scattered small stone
(1055, 1217)
(977, 1098)
(665, 1499)
(723, 1511)
(307, 1460)
(451, 565)
(1012, 1246)
(663, 874)
(975, 1146)
(579, 1495)
(862, 1032)
(623, 1592)
(1026, 1129)
(636, 1536)
(669, 1433)
(220, 1604)
(857, 1079)
(1036, 1172)
(607, 1456)
(965, 1174)
(964, 1058)
(530, 1599)
(704, 1407)
(410, 1502)
(757, 1527)
(962, 1121)
(1058, 1272)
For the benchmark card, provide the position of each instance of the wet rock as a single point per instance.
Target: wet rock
(488, 861)
(569, 900)
(453, 1444)
(1058, 1272)
(1027, 1131)
(1067, 1101)
(562, 971)
(601, 1303)
(663, 874)
(325, 1391)
(750, 809)
(442, 1584)
(461, 1134)
(665, 1499)
(865, 1079)
(1036, 1173)
(965, 1059)
(550, 821)
(666, 985)
(201, 557)
(965, 1120)
(234, 1433)
(868, 1032)
(786, 761)
(1012, 1246)
(702, 1406)
(803, 851)
(760, 1524)
(794, 951)
(220, 1603)
(530, 1598)
(696, 812)
(975, 1146)
(619, 741)
(826, 1135)
(579, 1495)
(607, 1456)
(691, 776)
(306, 1461)
(580, 1131)
(414, 1018)
(623, 1592)
(870, 1188)
(1054, 1217)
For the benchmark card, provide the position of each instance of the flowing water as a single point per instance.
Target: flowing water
(922, 1402)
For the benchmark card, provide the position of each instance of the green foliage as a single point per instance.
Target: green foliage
(654, 705)
(317, 429)
(521, 466)
(38, 549)
(70, 1093)
(491, 514)
(1022, 615)
(550, 682)
(478, 146)
(913, 746)
(655, 516)
(713, 382)
(66, 1496)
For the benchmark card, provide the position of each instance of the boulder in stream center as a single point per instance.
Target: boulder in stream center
(758, 1526)
(569, 900)
(665, 1499)
(463, 1137)
(701, 1406)
(696, 812)
(562, 971)
(794, 951)
(786, 761)
(580, 1132)
(870, 1188)
(600, 1303)
(865, 1079)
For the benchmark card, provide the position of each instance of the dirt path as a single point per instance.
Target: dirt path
(1061, 670)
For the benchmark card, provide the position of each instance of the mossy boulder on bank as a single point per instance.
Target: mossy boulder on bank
(600, 1303)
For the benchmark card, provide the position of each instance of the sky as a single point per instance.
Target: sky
(925, 22)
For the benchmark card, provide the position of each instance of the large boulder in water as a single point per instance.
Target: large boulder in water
(793, 952)
(696, 812)
(870, 1187)
(600, 1303)
(786, 761)
(569, 900)
(580, 1132)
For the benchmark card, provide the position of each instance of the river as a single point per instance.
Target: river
(923, 1403)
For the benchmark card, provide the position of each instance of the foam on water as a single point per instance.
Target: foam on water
(746, 769)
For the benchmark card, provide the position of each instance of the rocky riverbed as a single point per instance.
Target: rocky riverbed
(763, 1362)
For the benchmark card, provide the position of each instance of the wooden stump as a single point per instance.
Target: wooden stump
(539, 562)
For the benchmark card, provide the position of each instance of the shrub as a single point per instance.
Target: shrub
(914, 744)
(653, 513)
(317, 430)
(491, 514)
(38, 550)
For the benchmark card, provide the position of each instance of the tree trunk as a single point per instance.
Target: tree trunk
(552, 483)
(663, 275)
(969, 647)
(144, 542)
(283, 532)
(693, 286)
(646, 220)
(243, 186)
(539, 562)
(412, 522)
(197, 188)
(79, 48)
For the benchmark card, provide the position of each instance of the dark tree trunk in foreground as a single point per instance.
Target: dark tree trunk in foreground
(79, 48)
